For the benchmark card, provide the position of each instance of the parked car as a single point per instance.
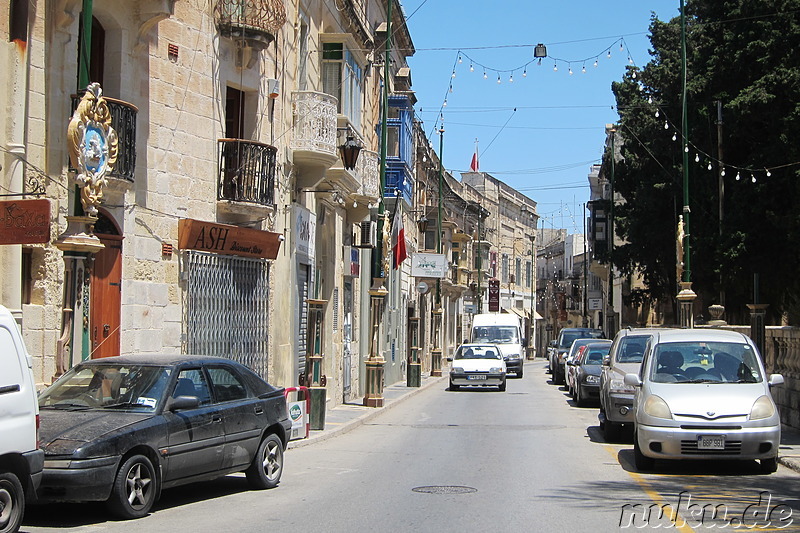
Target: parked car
(616, 398)
(121, 429)
(587, 372)
(21, 459)
(562, 345)
(703, 394)
(477, 365)
(574, 353)
(504, 330)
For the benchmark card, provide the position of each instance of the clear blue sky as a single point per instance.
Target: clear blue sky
(546, 147)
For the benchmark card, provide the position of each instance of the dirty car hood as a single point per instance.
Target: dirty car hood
(82, 426)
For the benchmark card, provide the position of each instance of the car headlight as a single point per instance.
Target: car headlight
(655, 406)
(762, 408)
(457, 370)
(496, 370)
(592, 379)
(617, 385)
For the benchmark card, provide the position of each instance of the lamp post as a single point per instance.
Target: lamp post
(611, 319)
(373, 396)
(436, 353)
(686, 295)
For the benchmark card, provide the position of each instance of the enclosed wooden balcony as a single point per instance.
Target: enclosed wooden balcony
(246, 172)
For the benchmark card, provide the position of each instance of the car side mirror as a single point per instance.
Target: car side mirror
(449, 359)
(183, 402)
(632, 380)
(553, 344)
(775, 379)
(607, 360)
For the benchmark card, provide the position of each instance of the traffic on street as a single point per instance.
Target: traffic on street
(469, 460)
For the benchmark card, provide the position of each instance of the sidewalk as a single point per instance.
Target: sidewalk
(345, 417)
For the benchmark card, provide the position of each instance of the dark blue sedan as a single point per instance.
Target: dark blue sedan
(120, 429)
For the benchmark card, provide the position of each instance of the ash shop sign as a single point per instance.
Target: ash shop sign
(425, 265)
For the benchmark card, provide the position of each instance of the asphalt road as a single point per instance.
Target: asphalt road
(527, 459)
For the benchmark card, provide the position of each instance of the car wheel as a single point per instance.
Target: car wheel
(502, 386)
(768, 466)
(579, 400)
(267, 467)
(134, 490)
(641, 461)
(453, 386)
(611, 431)
(518, 375)
(12, 502)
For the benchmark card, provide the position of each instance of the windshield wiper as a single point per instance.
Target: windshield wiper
(122, 404)
(704, 380)
(62, 405)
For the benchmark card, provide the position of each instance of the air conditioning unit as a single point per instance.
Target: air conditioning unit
(369, 234)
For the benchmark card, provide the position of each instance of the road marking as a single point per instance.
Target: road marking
(654, 496)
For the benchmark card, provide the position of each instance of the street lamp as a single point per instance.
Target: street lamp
(349, 152)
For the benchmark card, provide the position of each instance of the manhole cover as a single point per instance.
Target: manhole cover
(444, 489)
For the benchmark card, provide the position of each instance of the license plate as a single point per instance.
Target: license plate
(711, 442)
(478, 376)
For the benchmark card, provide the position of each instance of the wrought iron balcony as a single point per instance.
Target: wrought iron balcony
(256, 21)
(368, 170)
(123, 120)
(314, 139)
(246, 171)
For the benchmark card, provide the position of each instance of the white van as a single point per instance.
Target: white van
(504, 330)
(21, 460)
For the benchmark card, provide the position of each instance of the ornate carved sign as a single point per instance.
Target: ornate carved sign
(24, 221)
(225, 239)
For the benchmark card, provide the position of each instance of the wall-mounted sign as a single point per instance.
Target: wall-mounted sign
(428, 265)
(226, 239)
(595, 304)
(494, 295)
(304, 232)
(24, 221)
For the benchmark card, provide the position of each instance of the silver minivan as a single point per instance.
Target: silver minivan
(703, 394)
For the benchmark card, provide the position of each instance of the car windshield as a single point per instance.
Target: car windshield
(125, 387)
(705, 362)
(477, 352)
(570, 336)
(595, 355)
(500, 334)
(631, 349)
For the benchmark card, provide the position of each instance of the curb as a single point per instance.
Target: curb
(792, 462)
(325, 434)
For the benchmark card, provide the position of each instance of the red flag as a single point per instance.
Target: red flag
(474, 165)
(399, 253)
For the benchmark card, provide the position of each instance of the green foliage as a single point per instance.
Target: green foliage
(744, 54)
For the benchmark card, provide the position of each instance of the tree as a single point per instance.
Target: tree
(742, 53)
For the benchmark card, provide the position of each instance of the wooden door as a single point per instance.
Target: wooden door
(106, 298)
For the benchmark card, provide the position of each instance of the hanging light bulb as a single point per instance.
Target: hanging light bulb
(444, 104)
(753, 178)
(709, 165)
(570, 71)
(525, 72)
(484, 75)
(355, 204)
(451, 88)
(511, 78)
(738, 177)
(768, 173)
(595, 62)
(686, 148)
(641, 88)
(555, 67)
(722, 172)
(630, 60)
(696, 158)
(583, 69)
(658, 113)
(674, 136)
(498, 79)
(620, 47)
(454, 74)
(609, 53)
(471, 68)
(666, 125)
(459, 58)
(649, 99)
(633, 74)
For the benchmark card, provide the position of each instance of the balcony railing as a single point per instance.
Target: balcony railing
(258, 21)
(314, 123)
(368, 169)
(246, 171)
(123, 120)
